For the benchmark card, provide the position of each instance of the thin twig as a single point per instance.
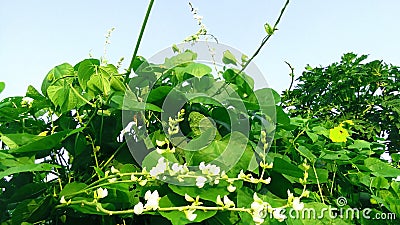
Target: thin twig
(263, 42)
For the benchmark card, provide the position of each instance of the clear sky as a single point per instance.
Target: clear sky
(35, 36)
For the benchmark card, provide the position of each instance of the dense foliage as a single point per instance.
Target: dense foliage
(367, 93)
(183, 142)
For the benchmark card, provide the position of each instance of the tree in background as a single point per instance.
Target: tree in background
(366, 93)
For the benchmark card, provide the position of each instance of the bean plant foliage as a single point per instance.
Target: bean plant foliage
(99, 145)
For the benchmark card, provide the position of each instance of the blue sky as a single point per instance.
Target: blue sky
(38, 35)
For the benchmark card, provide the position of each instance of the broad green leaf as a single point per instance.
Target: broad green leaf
(381, 168)
(66, 96)
(229, 58)
(158, 94)
(284, 167)
(182, 58)
(360, 144)
(57, 75)
(32, 210)
(40, 143)
(195, 69)
(128, 103)
(2, 86)
(72, 188)
(86, 69)
(306, 153)
(312, 136)
(178, 217)
(16, 140)
(28, 168)
(380, 183)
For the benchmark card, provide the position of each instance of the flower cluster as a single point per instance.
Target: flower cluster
(152, 203)
(202, 30)
(173, 124)
(27, 102)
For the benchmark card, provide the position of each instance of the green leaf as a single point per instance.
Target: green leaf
(229, 58)
(381, 168)
(40, 143)
(72, 188)
(32, 210)
(57, 75)
(195, 69)
(270, 30)
(312, 136)
(86, 69)
(380, 182)
(284, 167)
(178, 217)
(28, 168)
(360, 144)
(2, 86)
(306, 153)
(182, 58)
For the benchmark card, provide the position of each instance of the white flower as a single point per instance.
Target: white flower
(278, 215)
(138, 209)
(190, 214)
(101, 193)
(63, 201)
(219, 201)
(209, 169)
(27, 102)
(113, 170)
(160, 151)
(297, 205)
(112, 180)
(200, 181)
(160, 143)
(128, 127)
(152, 200)
(134, 178)
(231, 188)
(189, 198)
(159, 168)
(259, 209)
(228, 203)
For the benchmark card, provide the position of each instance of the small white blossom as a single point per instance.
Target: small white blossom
(297, 205)
(228, 203)
(113, 170)
(27, 102)
(278, 215)
(209, 169)
(189, 198)
(231, 188)
(200, 181)
(190, 215)
(112, 180)
(152, 200)
(63, 201)
(101, 193)
(259, 209)
(219, 201)
(138, 209)
(159, 168)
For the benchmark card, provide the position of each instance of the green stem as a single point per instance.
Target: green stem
(263, 42)
(139, 40)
